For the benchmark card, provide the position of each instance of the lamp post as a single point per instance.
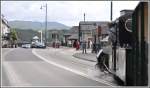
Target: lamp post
(45, 23)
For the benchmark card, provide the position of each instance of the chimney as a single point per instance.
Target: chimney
(123, 12)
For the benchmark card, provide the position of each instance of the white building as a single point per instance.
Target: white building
(5, 32)
(35, 39)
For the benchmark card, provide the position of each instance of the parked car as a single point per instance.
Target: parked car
(41, 45)
(26, 46)
(33, 45)
(38, 45)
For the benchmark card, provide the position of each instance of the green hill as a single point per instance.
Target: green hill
(36, 25)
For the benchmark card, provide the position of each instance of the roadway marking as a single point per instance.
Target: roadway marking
(14, 79)
(71, 70)
(12, 76)
(3, 55)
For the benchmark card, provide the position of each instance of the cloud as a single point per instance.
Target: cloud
(67, 12)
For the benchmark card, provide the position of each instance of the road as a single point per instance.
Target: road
(30, 67)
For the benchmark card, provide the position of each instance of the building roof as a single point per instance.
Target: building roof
(74, 29)
(4, 21)
(66, 34)
(128, 10)
(73, 37)
(55, 31)
(93, 22)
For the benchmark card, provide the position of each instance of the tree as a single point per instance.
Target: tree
(14, 37)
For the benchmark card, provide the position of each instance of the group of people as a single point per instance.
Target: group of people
(83, 45)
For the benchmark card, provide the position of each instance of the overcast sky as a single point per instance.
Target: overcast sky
(66, 12)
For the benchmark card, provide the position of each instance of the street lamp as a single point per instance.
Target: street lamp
(45, 23)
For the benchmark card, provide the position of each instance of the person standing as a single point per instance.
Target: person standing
(91, 44)
(77, 45)
(84, 47)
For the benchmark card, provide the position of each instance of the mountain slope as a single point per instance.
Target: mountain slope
(27, 35)
(36, 25)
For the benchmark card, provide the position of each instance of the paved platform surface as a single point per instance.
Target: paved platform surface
(88, 56)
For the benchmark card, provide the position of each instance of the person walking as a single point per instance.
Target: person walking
(84, 47)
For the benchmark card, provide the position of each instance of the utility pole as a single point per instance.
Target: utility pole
(46, 26)
(114, 45)
(149, 43)
(45, 23)
(84, 17)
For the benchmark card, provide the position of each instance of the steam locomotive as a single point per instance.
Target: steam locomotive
(129, 43)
